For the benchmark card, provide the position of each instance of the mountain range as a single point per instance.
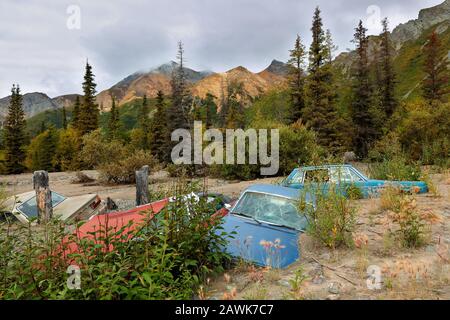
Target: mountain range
(408, 39)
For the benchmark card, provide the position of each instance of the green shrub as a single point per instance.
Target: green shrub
(297, 147)
(332, 219)
(424, 133)
(167, 257)
(67, 155)
(412, 226)
(123, 170)
(396, 168)
(354, 193)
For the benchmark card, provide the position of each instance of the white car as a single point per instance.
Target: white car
(71, 209)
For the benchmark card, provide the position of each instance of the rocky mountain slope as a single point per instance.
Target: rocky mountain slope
(408, 40)
(33, 103)
(428, 17)
(405, 33)
(145, 83)
(254, 84)
(37, 102)
(202, 82)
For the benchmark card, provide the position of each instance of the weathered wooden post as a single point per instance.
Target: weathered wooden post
(142, 196)
(43, 196)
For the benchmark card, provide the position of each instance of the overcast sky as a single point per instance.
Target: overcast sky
(44, 43)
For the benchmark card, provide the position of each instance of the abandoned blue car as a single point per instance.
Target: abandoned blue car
(267, 225)
(344, 176)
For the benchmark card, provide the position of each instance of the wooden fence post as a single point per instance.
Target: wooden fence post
(43, 196)
(142, 196)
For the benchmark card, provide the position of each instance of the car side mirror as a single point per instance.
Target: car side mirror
(227, 206)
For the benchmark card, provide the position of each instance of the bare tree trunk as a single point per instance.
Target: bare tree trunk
(142, 196)
(43, 196)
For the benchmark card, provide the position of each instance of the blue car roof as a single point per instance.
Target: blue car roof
(275, 190)
(324, 166)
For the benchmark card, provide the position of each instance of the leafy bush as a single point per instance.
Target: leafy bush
(166, 257)
(123, 170)
(332, 219)
(297, 147)
(354, 193)
(97, 150)
(67, 155)
(412, 227)
(424, 133)
(116, 162)
(405, 213)
(396, 168)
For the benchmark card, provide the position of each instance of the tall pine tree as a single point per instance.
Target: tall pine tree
(436, 85)
(113, 122)
(64, 118)
(320, 112)
(178, 111)
(14, 133)
(158, 126)
(143, 123)
(387, 77)
(76, 113)
(361, 105)
(210, 110)
(296, 76)
(89, 111)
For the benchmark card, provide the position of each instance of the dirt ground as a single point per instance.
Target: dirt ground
(63, 183)
(320, 273)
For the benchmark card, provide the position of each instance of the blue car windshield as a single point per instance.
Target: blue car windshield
(271, 209)
(29, 207)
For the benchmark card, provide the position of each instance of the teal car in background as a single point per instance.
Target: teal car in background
(343, 176)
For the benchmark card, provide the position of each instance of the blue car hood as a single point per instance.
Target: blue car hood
(261, 243)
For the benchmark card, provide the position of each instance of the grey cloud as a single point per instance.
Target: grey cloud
(120, 37)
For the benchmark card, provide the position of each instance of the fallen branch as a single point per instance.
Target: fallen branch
(334, 270)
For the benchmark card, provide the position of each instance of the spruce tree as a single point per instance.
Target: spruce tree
(320, 111)
(178, 111)
(76, 113)
(14, 133)
(436, 85)
(296, 79)
(361, 105)
(210, 110)
(42, 149)
(387, 77)
(158, 125)
(89, 111)
(144, 123)
(113, 122)
(232, 110)
(330, 46)
(64, 118)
